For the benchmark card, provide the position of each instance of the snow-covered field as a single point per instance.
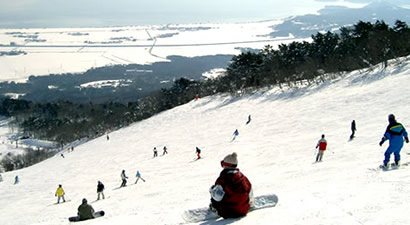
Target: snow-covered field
(276, 151)
(6, 144)
(62, 50)
(8, 136)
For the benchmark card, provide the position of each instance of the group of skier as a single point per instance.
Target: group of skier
(86, 211)
(124, 178)
(16, 179)
(395, 133)
(164, 151)
(231, 194)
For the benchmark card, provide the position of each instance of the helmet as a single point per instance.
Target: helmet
(391, 118)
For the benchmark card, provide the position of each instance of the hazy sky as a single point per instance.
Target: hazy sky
(74, 13)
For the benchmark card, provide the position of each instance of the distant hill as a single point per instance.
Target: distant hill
(331, 18)
(118, 83)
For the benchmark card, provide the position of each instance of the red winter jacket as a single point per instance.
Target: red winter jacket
(235, 202)
(322, 143)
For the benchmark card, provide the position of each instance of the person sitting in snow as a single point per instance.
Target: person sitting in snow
(60, 193)
(231, 195)
(395, 132)
(85, 211)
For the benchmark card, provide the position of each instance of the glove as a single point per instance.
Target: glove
(217, 193)
(407, 139)
(381, 142)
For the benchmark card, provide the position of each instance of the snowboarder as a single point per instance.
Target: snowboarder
(235, 134)
(100, 190)
(395, 132)
(138, 175)
(249, 120)
(198, 153)
(353, 128)
(155, 152)
(232, 193)
(85, 211)
(124, 179)
(16, 180)
(165, 150)
(60, 193)
(321, 144)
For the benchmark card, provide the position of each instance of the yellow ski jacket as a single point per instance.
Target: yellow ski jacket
(60, 191)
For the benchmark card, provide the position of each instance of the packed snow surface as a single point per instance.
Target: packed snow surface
(276, 151)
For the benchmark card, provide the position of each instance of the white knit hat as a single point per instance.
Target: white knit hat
(230, 161)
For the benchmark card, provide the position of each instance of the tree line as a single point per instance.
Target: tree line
(359, 46)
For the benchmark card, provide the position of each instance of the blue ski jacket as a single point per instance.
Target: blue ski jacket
(395, 133)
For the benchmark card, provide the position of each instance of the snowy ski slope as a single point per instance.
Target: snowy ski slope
(276, 151)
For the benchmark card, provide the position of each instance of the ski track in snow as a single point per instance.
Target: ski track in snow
(276, 151)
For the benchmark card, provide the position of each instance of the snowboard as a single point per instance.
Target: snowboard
(69, 200)
(203, 214)
(77, 219)
(62, 202)
(392, 166)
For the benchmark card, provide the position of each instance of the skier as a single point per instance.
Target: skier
(16, 180)
(1, 178)
(108, 137)
(232, 193)
(139, 176)
(249, 120)
(198, 153)
(124, 179)
(100, 190)
(353, 128)
(62, 155)
(235, 134)
(321, 144)
(60, 193)
(165, 150)
(395, 132)
(155, 152)
(85, 211)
